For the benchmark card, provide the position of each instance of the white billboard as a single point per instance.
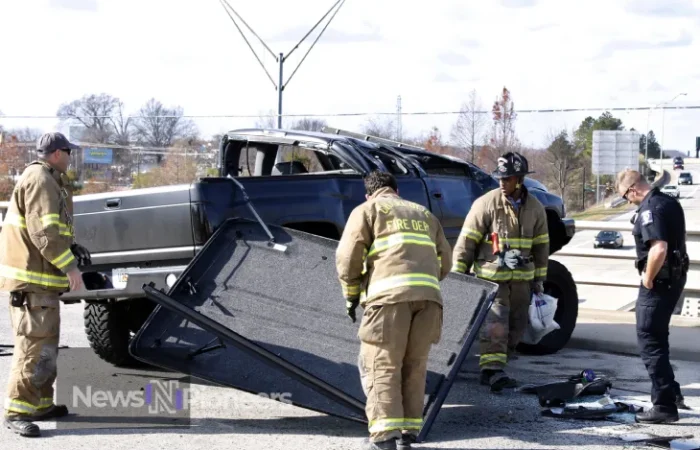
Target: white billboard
(614, 151)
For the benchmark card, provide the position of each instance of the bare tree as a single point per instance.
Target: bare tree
(94, 111)
(466, 132)
(268, 120)
(385, 128)
(122, 126)
(503, 132)
(159, 126)
(309, 124)
(563, 159)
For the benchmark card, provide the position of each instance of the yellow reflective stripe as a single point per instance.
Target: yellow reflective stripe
(45, 402)
(503, 274)
(489, 358)
(350, 290)
(398, 239)
(541, 239)
(53, 219)
(18, 406)
(519, 243)
(418, 279)
(41, 279)
(472, 234)
(63, 259)
(390, 424)
(15, 220)
(459, 267)
(541, 272)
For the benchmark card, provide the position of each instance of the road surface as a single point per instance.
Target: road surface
(613, 298)
(225, 418)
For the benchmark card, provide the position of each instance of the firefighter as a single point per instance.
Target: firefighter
(390, 259)
(505, 238)
(39, 260)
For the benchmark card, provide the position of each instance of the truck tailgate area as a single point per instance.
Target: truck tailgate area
(250, 316)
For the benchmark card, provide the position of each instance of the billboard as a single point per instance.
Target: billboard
(614, 151)
(97, 156)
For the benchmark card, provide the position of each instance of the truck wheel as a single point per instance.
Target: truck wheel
(560, 285)
(111, 325)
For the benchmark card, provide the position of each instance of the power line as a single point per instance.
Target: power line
(350, 114)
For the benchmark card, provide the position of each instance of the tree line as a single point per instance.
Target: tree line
(564, 165)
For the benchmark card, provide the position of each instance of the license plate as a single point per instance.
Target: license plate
(120, 278)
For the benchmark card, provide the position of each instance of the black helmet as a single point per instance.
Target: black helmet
(511, 164)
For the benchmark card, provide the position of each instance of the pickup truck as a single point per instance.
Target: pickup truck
(308, 181)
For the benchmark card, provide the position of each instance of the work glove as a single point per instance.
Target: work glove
(538, 287)
(512, 259)
(81, 254)
(350, 307)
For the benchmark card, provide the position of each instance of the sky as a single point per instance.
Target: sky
(548, 53)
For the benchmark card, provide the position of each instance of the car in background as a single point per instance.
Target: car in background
(678, 166)
(685, 178)
(671, 190)
(608, 239)
(678, 160)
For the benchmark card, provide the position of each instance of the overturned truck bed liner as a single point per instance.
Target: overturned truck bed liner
(247, 315)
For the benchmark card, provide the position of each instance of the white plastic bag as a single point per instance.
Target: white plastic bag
(541, 318)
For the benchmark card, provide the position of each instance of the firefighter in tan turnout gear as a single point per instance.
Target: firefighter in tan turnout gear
(506, 240)
(38, 260)
(391, 258)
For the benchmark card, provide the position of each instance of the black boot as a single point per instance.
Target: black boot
(52, 412)
(405, 442)
(680, 403)
(658, 414)
(497, 379)
(23, 427)
(382, 445)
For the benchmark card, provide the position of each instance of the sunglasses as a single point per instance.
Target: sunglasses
(627, 192)
(67, 150)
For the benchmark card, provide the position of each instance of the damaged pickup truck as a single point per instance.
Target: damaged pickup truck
(306, 181)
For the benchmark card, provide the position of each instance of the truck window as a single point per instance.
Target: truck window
(435, 165)
(300, 160)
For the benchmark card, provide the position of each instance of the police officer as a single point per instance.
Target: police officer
(39, 259)
(391, 258)
(506, 239)
(662, 261)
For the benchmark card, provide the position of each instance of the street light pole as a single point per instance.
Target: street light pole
(281, 60)
(663, 124)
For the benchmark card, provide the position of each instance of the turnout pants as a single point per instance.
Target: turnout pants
(395, 342)
(505, 324)
(36, 329)
(653, 312)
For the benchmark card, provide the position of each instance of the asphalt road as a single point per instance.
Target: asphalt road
(225, 418)
(618, 298)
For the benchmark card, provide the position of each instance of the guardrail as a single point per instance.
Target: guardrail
(693, 235)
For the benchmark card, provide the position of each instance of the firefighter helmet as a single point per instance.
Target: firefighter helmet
(510, 165)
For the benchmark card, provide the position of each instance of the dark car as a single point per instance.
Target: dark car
(685, 178)
(608, 239)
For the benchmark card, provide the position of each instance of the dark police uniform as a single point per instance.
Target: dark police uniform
(660, 217)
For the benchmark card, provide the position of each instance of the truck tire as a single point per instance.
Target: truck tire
(110, 326)
(560, 285)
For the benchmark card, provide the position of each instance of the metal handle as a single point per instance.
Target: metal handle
(113, 203)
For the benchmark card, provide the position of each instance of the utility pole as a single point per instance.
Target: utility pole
(399, 125)
(663, 124)
(281, 58)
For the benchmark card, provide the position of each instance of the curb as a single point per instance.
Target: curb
(628, 348)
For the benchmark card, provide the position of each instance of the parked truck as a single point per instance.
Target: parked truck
(308, 181)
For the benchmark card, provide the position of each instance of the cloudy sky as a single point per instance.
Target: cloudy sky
(549, 53)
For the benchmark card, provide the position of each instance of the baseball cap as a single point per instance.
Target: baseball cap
(50, 142)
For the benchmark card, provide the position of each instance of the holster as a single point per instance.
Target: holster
(18, 298)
